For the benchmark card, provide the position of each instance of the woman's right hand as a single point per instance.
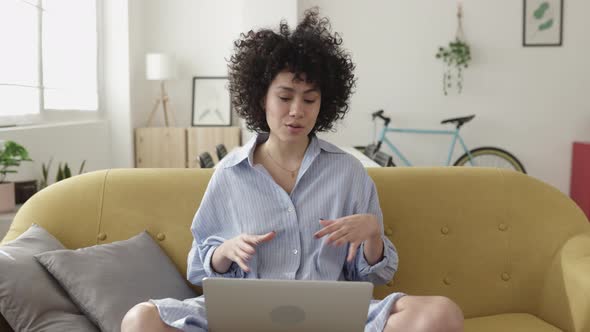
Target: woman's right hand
(239, 249)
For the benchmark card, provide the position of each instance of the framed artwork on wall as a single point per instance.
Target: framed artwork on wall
(542, 23)
(211, 101)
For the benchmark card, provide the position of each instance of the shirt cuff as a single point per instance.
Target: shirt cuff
(382, 271)
(234, 269)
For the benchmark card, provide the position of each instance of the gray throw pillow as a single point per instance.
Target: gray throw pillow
(30, 299)
(107, 280)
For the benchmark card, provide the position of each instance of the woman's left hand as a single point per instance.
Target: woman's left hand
(354, 229)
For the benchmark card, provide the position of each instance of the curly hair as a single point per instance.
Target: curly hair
(310, 50)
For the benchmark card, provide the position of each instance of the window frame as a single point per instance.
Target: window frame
(50, 115)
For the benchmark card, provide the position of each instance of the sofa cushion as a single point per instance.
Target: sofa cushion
(508, 322)
(30, 299)
(107, 280)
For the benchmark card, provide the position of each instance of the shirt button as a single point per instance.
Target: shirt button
(295, 251)
(290, 209)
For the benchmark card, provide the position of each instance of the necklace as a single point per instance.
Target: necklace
(293, 172)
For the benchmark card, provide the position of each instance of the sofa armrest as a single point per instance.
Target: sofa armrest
(565, 298)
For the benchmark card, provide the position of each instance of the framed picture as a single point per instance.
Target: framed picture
(211, 102)
(542, 23)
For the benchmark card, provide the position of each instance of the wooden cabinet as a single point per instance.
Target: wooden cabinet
(160, 147)
(205, 139)
(171, 147)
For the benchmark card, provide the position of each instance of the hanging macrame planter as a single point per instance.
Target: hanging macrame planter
(456, 57)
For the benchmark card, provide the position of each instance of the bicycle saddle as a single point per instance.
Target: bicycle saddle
(460, 121)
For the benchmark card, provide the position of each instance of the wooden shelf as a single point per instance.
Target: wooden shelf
(173, 147)
(205, 139)
(160, 147)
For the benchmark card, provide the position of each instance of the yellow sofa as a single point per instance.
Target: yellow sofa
(513, 252)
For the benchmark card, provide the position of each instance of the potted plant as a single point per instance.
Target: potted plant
(11, 155)
(45, 174)
(63, 172)
(456, 57)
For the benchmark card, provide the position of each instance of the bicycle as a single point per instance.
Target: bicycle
(482, 156)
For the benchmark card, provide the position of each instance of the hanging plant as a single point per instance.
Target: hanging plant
(456, 57)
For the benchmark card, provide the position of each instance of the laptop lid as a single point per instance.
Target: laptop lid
(286, 305)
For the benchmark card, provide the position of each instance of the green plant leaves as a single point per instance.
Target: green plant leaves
(60, 173)
(82, 167)
(67, 172)
(457, 55)
(63, 171)
(546, 25)
(540, 11)
(11, 155)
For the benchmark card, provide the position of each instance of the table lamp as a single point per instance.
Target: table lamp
(160, 67)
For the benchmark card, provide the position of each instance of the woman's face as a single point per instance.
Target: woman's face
(292, 107)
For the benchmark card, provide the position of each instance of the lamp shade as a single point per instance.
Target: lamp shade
(159, 66)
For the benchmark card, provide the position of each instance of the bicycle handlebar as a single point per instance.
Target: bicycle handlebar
(379, 114)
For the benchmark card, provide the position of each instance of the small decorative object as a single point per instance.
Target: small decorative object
(211, 102)
(11, 155)
(542, 23)
(457, 56)
(161, 67)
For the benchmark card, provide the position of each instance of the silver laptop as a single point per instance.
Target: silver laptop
(286, 305)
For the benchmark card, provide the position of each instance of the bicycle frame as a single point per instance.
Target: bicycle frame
(454, 133)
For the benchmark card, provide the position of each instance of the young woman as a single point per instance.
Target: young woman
(288, 205)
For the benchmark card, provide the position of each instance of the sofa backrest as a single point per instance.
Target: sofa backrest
(113, 205)
(483, 237)
(480, 236)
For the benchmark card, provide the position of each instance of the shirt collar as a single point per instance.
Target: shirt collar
(247, 151)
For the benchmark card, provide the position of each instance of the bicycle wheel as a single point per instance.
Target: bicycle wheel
(491, 157)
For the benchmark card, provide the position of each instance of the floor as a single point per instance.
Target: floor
(5, 221)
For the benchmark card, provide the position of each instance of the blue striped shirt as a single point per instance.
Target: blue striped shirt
(242, 197)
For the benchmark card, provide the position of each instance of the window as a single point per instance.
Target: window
(49, 56)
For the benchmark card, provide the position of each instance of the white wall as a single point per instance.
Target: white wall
(72, 137)
(268, 14)
(531, 101)
(200, 34)
(138, 84)
(71, 143)
(116, 74)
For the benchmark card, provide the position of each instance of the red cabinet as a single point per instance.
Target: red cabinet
(580, 178)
